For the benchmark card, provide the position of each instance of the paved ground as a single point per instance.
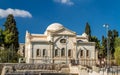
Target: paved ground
(113, 71)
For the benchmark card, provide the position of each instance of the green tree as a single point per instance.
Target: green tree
(3, 56)
(11, 29)
(10, 41)
(103, 48)
(88, 31)
(1, 37)
(97, 42)
(117, 50)
(112, 34)
(115, 33)
(111, 43)
(7, 38)
(6, 55)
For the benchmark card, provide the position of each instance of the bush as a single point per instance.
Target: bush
(117, 55)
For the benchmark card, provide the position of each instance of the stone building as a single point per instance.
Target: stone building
(21, 49)
(59, 45)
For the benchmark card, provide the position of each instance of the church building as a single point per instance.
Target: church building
(59, 45)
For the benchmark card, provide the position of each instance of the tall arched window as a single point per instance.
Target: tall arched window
(87, 53)
(44, 52)
(69, 53)
(81, 53)
(63, 52)
(39, 52)
(56, 52)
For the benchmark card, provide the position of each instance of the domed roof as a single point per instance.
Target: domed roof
(55, 27)
(84, 35)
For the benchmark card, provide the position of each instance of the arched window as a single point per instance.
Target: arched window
(37, 52)
(87, 53)
(69, 53)
(81, 53)
(44, 52)
(56, 52)
(63, 41)
(63, 52)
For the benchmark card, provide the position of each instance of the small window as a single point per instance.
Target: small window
(44, 52)
(81, 53)
(37, 52)
(63, 41)
(87, 53)
(56, 52)
(69, 53)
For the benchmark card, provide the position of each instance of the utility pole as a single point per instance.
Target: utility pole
(107, 27)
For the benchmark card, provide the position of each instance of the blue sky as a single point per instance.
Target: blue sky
(36, 15)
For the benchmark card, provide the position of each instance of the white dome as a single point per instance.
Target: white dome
(55, 27)
(84, 35)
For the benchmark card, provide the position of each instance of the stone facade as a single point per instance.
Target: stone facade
(21, 50)
(58, 45)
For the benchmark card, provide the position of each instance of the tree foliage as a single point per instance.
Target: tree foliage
(9, 41)
(8, 38)
(117, 42)
(97, 42)
(117, 50)
(11, 33)
(1, 37)
(103, 47)
(112, 34)
(8, 56)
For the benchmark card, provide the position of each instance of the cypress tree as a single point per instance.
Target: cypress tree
(88, 31)
(11, 32)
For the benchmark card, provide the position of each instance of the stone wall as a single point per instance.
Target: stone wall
(34, 68)
(1, 67)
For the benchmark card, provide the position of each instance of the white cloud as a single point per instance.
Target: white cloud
(67, 2)
(15, 12)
